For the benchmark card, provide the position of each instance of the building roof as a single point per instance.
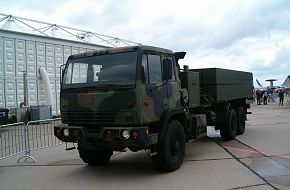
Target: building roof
(29, 26)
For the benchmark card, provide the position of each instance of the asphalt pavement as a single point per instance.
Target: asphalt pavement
(257, 160)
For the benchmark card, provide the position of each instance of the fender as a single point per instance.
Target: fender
(166, 115)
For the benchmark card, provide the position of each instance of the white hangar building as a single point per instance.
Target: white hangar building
(27, 45)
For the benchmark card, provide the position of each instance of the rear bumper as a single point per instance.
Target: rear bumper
(108, 137)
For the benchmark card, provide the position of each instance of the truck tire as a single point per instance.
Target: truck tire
(95, 157)
(228, 130)
(171, 150)
(241, 117)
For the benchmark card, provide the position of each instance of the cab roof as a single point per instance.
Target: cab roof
(119, 50)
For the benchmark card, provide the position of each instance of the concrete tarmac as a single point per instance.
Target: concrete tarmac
(257, 160)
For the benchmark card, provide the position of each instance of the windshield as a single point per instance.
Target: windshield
(119, 68)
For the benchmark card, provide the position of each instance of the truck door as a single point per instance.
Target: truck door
(154, 90)
(173, 85)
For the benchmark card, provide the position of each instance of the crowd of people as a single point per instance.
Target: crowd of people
(265, 96)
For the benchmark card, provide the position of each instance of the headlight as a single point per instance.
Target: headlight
(66, 132)
(125, 134)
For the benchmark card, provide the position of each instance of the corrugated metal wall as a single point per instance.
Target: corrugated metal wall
(21, 52)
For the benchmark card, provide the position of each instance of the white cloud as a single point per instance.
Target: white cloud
(240, 34)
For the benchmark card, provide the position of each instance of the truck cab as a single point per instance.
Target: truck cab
(126, 86)
(117, 98)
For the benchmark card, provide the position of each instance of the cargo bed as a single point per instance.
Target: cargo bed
(224, 84)
(212, 85)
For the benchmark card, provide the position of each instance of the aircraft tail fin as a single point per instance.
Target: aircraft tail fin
(258, 83)
(286, 83)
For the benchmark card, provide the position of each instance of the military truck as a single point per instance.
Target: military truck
(137, 98)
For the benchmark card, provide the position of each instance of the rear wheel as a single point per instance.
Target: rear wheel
(171, 150)
(95, 157)
(241, 120)
(228, 130)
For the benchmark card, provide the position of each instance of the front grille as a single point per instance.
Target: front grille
(75, 118)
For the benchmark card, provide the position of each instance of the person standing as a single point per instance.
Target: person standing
(258, 96)
(265, 97)
(281, 97)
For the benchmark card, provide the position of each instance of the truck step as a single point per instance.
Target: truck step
(152, 153)
(71, 148)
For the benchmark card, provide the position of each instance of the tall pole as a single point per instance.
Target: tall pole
(25, 89)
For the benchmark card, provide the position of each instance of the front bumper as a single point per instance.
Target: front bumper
(112, 138)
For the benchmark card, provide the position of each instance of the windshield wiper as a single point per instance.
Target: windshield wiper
(107, 87)
(119, 86)
(100, 86)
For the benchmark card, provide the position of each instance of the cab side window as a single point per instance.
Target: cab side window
(144, 69)
(154, 65)
(172, 68)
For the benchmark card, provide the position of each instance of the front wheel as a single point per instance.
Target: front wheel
(95, 157)
(171, 150)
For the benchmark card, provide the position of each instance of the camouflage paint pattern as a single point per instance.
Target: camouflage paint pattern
(141, 105)
(121, 105)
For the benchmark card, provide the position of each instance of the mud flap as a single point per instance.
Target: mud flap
(198, 126)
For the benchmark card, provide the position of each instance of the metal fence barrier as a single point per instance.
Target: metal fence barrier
(12, 140)
(20, 138)
(287, 99)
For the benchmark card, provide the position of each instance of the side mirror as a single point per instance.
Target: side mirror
(61, 68)
(179, 55)
(167, 69)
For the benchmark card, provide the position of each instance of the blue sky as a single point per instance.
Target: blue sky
(244, 35)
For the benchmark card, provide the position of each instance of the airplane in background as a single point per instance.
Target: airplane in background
(285, 85)
(274, 90)
(259, 84)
